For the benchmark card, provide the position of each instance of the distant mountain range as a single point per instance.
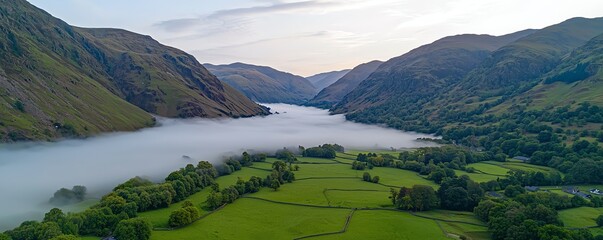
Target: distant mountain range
(57, 80)
(334, 93)
(323, 80)
(469, 74)
(265, 84)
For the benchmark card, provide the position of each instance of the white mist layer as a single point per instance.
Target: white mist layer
(31, 173)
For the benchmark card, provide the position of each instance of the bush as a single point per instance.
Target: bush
(600, 221)
(133, 229)
(183, 216)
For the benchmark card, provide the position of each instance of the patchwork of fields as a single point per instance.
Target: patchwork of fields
(329, 200)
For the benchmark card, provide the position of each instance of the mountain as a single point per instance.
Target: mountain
(578, 78)
(57, 80)
(323, 80)
(417, 76)
(532, 56)
(265, 84)
(455, 79)
(334, 93)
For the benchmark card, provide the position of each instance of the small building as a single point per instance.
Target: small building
(522, 158)
(532, 188)
(596, 191)
(571, 190)
(583, 195)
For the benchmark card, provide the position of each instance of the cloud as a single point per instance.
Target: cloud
(224, 20)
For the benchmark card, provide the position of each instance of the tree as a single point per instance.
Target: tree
(275, 184)
(375, 179)
(79, 192)
(183, 216)
(600, 221)
(366, 177)
(423, 198)
(553, 232)
(133, 229)
(214, 200)
(48, 230)
(4, 237)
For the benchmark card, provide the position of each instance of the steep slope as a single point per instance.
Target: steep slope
(265, 84)
(323, 80)
(334, 93)
(161, 79)
(57, 80)
(416, 77)
(530, 57)
(578, 78)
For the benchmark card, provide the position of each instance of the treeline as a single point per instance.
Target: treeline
(435, 162)
(527, 216)
(455, 193)
(323, 151)
(116, 212)
(552, 136)
(66, 196)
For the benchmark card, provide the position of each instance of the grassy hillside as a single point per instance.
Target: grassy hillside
(265, 84)
(335, 92)
(46, 91)
(60, 81)
(404, 83)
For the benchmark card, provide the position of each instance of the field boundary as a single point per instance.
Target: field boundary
(345, 228)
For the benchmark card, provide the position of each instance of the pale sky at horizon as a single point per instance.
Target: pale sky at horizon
(306, 37)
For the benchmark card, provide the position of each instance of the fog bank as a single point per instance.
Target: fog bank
(30, 173)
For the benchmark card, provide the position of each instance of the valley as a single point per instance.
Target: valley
(107, 133)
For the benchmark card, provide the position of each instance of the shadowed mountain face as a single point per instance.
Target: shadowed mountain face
(58, 80)
(334, 93)
(323, 80)
(422, 73)
(265, 84)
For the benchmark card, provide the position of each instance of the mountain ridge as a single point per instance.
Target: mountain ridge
(264, 84)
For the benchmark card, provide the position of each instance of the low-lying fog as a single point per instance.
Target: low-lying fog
(31, 173)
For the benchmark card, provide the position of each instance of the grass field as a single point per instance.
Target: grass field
(476, 176)
(521, 166)
(489, 168)
(160, 217)
(580, 217)
(255, 219)
(325, 194)
(389, 225)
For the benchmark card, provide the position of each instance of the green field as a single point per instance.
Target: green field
(580, 217)
(389, 225)
(318, 202)
(520, 166)
(476, 176)
(489, 168)
(160, 217)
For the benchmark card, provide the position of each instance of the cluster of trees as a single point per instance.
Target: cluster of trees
(323, 151)
(367, 178)
(510, 219)
(417, 198)
(185, 215)
(281, 174)
(116, 212)
(459, 193)
(66, 196)
(286, 155)
(102, 220)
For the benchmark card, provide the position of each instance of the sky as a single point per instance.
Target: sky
(306, 37)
